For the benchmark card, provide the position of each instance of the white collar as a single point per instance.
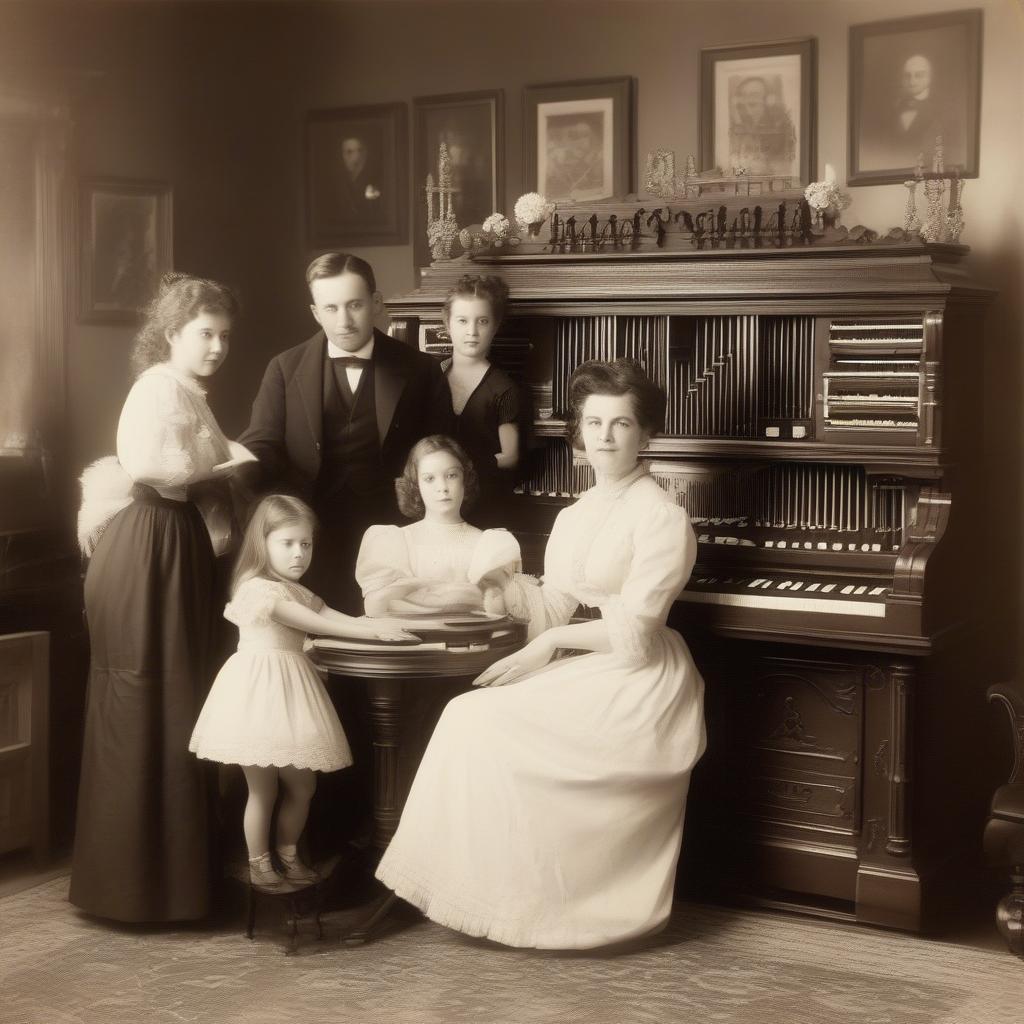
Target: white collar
(366, 352)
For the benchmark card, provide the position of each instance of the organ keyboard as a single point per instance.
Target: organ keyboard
(822, 413)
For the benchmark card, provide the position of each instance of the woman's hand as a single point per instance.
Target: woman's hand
(535, 655)
(494, 601)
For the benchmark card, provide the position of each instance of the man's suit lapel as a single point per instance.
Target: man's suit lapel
(389, 380)
(309, 379)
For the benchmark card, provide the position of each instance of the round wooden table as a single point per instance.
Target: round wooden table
(389, 674)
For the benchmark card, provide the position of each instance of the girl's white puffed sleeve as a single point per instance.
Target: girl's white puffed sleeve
(156, 435)
(252, 604)
(383, 558)
(664, 551)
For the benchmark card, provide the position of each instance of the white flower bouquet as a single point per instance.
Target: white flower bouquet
(496, 225)
(532, 208)
(826, 196)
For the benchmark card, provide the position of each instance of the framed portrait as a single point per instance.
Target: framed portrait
(911, 81)
(357, 175)
(125, 244)
(758, 109)
(580, 139)
(473, 126)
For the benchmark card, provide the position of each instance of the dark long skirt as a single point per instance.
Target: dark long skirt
(142, 837)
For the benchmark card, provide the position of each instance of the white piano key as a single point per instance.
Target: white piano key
(828, 588)
(875, 591)
(812, 587)
(781, 603)
(848, 589)
(859, 590)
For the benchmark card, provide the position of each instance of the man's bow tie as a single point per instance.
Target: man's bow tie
(355, 361)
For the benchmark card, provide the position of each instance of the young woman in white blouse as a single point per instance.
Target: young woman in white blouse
(549, 813)
(142, 838)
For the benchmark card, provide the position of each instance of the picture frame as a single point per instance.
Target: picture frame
(473, 125)
(911, 80)
(758, 109)
(580, 139)
(125, 244)
(357, 175)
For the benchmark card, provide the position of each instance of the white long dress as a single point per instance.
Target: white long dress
(549, 812)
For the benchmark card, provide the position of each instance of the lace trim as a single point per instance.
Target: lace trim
(318, 758)
(629, 643)
(480, 921)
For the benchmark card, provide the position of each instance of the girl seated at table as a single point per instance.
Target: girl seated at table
(439, 563)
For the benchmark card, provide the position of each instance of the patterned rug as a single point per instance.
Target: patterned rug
(713, 964)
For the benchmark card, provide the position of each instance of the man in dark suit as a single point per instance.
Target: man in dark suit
(335, 418)
(333, 422)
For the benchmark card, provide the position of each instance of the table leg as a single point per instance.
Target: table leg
(385, 700)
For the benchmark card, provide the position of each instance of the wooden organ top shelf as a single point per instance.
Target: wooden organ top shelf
(824, 424)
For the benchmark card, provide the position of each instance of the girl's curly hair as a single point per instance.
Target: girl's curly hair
(179, 300)
(407, 486)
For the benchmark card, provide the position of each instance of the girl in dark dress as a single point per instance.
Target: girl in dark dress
(486, 400)
(142, 837)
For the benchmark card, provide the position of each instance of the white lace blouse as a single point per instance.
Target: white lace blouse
(167, 437)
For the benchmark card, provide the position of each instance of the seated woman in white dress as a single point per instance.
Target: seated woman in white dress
(439, 563)
(549, 813)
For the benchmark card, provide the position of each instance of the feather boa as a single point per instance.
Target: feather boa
(106, 490)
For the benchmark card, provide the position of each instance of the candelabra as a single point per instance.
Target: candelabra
(443, 229)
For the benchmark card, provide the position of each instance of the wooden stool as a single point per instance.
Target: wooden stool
(302, 904)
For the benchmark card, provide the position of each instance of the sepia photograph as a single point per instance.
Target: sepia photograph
(357, 176)
(126, 244)
(472, 127)
(914, 82)
(580, 139)
(757, 111)
(546, 596)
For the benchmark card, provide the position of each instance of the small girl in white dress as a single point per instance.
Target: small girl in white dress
(439, 563)
(268, 711)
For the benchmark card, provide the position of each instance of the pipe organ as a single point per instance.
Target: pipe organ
(823, 417)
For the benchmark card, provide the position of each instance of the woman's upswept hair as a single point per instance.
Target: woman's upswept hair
(473, 286)
(273, 512)
(619, 377)
(179, 300)
(407, 486)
